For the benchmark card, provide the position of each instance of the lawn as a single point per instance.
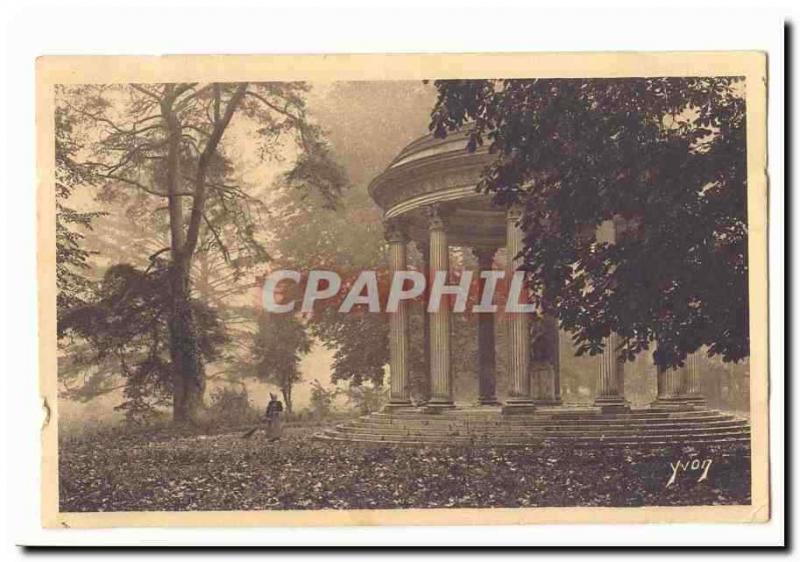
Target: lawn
(120, 471)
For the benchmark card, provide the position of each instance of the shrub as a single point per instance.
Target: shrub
(231, 406)
(367, 398)
(321, 406)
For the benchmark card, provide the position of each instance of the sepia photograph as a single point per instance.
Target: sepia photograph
(403, 289)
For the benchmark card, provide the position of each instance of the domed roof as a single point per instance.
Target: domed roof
(442, 172)
(428, 145)
(428, 165)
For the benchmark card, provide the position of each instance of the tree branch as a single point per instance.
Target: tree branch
(219, 241)
(202, 167)
(142, 186)
(146, 92)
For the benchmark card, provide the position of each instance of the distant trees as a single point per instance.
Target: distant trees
(165, 142)
(310, 235)
(359, 342)
(72, 259)
(662, 157)
(277, 348)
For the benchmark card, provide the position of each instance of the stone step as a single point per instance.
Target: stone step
(543, 431)
(579, 427)
(541, 422)
(544, 435)
(519, 420)
(560, 410)
(544, 424)
(452, 416)
(710, 440)
(539, 439)
(538, 434)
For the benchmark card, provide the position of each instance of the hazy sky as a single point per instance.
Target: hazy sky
(368, 123)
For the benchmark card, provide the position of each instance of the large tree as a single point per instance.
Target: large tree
(165, 141)
(664, 159)
(122, 339)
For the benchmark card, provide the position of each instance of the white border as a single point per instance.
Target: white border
(202, 27)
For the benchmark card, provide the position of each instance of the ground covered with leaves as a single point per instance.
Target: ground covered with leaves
(184, 471)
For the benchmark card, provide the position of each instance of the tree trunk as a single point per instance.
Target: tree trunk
(287, 397)
(187, 370)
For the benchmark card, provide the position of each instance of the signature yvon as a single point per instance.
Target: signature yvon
(695, 465)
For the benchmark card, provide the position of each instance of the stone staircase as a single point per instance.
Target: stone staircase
(574, 426)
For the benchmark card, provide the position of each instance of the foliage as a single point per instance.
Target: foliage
(367, 398)
(125, 328)
(231, 406)
(665, 159)
(72, 260)
(277, 348)
(321, 405)
(359, 342)
(133, 156)
(165, 143)
(348, 240)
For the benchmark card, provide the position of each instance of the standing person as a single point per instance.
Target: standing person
(273, 417)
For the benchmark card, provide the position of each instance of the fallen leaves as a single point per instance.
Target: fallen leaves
(224, 472)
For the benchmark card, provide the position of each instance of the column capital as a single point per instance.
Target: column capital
(436, 218)
(395, 231)
(514, 213)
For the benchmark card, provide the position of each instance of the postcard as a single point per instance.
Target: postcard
(403, 289)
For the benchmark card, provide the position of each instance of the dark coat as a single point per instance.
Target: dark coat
(274, 408)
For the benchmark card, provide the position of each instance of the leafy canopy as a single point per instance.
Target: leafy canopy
(664, 158)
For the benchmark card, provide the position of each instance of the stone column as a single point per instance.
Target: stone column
(661, 384)
(610, 390)
(546, 379)
(486, 353)
(398, 323)
(610, 383)
(694, 392)
(441, 376)
(425, 387)
(556, 360)
(519, 395)
(670, 384)
(680, 387)
(670, 388)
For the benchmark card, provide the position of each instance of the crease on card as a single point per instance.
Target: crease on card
(46, 409)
